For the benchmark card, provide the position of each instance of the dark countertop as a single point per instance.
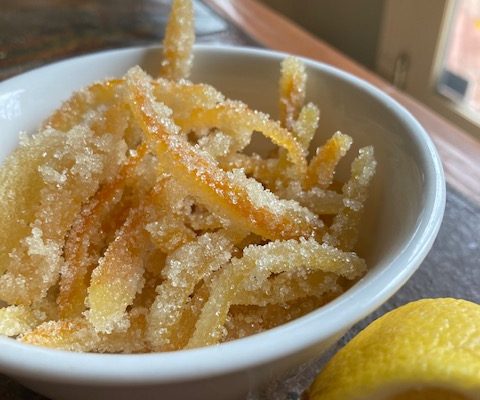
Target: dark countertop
(36, 32)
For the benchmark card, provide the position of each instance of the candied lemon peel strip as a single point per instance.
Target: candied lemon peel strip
(80, 162)
(118, 277)
(306, 125)
(252, 270)
(16, 320)
(80, 253)
(178, 41)
(237, 118)
(293, 81)
(183, 271)
(321, 168)
(230, 194)
(143, 223)
(344, 231)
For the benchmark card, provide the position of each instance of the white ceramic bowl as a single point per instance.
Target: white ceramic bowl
(403, 217)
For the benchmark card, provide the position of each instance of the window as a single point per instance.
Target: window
(459, 78)
(431, 49)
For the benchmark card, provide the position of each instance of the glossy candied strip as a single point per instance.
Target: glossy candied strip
(290, 286)
(73, 335)
(209, 328)
(176, 333)
(71, 175)
(236, 119)
(169, 230)
(79, 335)
(321, 168)
(88, 105)
(298, 255)
(75, 110)
(184, 270)
(15, 320)
(305, 126)
(219, 145)
(187, 321)
(248, 320)
(194, 260)
(344, 231)
(256, 265)
(86, 239)
(320, 201)
(118, 277)
(292, 85)
(21, 184)
(132, 340)
(292, 88)
(154, 262)
(178, 41)
(261, 169)
(184, 96)
(102, 108)
(201, 220)
(230, 194)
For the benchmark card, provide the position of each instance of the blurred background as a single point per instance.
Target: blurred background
(429, 48)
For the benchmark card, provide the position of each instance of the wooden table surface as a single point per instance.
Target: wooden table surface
(36, 32)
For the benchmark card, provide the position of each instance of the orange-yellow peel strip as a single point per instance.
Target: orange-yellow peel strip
(344, 231)
(230, 194)
(287, 287)
(16, 320)
(118, 276)
(178, 41)
(73, 111)
(306, 124)
(292, 85)
(237, 119)
(321, 168)
(254, 268)
(184, 269)
(79, 263)
(79, 335)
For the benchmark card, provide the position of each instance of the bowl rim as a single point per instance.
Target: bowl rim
(19, 359)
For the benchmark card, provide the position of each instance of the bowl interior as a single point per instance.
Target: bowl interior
(406, 202)
(397, 197)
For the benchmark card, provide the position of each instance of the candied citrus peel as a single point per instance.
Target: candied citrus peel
(86, 232)
(321, 168)
(252, 270)
(178, 41)
(293, 81)
(142, 221)
(243, 202)
(74, 110)
(236, 118)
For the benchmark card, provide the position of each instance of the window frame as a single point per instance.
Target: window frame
(422, 40)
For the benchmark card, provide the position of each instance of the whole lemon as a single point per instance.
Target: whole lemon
(428, 349)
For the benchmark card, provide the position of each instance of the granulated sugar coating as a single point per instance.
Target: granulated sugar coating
(306, 124)
(178, 42)
(74, 164)
(135, 220)
(293, 82)
(346, 224)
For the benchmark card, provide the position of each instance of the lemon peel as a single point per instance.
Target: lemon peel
(427, 349)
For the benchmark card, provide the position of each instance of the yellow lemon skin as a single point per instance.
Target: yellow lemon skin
(428, 349)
